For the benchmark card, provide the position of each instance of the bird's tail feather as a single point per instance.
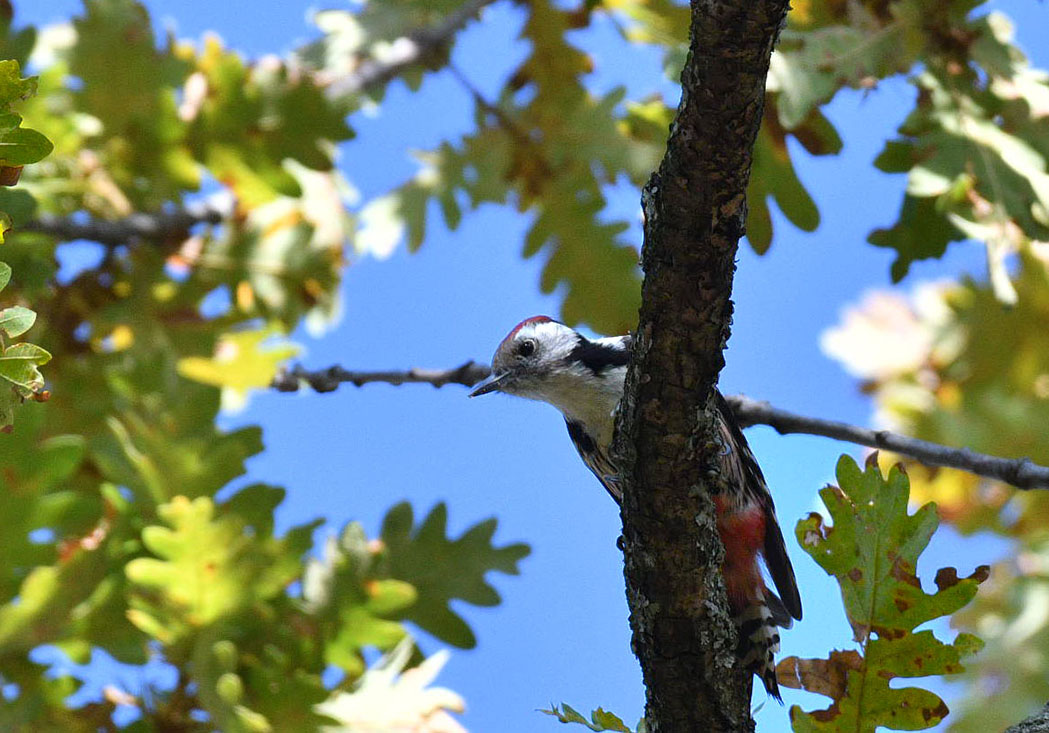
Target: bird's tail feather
(759, 638)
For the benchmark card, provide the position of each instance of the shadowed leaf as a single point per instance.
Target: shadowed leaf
(442, 569)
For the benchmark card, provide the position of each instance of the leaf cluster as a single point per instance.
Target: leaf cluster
(600, 719)
(20, 378)
(550, 147)
(119, 542)
(973, 147)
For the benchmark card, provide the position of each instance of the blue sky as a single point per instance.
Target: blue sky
(561, 633)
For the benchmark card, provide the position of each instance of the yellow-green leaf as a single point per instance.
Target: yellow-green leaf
(16, 320)
(243, 361)
(18, 365)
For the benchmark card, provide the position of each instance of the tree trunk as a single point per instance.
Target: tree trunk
(695, 211)
(1037, 723)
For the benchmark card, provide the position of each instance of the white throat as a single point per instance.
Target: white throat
(582, 397)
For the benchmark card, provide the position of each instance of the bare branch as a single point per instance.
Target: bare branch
(159, 227)
(1021, 473)
(328, 380)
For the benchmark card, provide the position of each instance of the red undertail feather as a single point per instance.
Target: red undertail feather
(749, 532)
(756, 610)
(746, 520)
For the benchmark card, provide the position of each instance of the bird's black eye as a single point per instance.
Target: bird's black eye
(526, 348)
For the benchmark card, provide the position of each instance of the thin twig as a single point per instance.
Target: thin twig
(328, 380)
(507, 123)
(405, 51)
(1021, 472)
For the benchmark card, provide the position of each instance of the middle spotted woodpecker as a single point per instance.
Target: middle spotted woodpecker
(544, 360)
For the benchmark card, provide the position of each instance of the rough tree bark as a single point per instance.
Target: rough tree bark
(695, 210)
(1037, 723)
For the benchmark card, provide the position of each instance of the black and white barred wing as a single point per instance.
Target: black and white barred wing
(596, 459)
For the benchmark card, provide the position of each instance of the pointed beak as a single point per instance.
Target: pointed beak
(493, 383)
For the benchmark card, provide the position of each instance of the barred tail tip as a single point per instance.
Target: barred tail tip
(759, 643)
(768, 676)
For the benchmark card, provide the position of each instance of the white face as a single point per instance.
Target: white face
(541, 360)
(533, 353)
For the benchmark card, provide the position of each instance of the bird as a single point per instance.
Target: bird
(545, 360)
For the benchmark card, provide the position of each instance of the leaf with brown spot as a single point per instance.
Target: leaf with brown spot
(948, 577)
(825, 676)
(872, 549)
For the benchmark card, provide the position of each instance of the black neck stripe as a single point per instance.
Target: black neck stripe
(597, 357)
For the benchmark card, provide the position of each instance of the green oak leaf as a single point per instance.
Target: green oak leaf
(206, 567)
(284, 259)
(22, 146)
(12, 86)
(976, 160)
(597, 271)
(919, 233)
(18, 145)
(156, 461)
(354, 608)
(257, 683)
(808, 68)
(773, 176)
(442, 569)
(287, 112)
(872, 550)
(47, 598)
(18, 205)
(39, 703)
(130, 86)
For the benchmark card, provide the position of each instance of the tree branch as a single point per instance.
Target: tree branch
(328, 380)
(1023, 473)
(405, 51)
(159, 227)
